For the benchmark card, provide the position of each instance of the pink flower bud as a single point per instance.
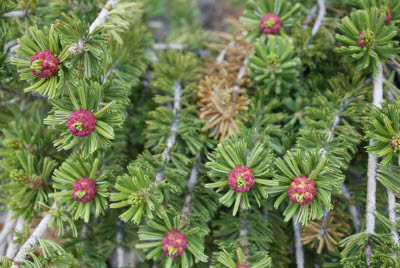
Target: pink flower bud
(270, 24)
(174, 243)
(44, 64)
(81, 123)
(302, 190)
(241, 179)
(84, 190)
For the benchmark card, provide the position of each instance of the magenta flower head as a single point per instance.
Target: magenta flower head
(241, 179)
(366, 38)
(84, 190)
(44, 64)
(81, 123)
(302, 190)
(174, 243)
(270, 24)
(386, 12)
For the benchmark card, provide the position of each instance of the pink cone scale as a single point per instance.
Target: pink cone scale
(388, 13)
(242, 266)
(241, 179)
(302, 190)
(44, 64)
(84, 190)
(174, 243)
(81, 123)
(270, 24)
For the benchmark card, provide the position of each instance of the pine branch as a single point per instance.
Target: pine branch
(101, 18)
(322, 231)
(16, 14)
(13, 247)
(320, 18)
(311, 15)
(8, 226)
(120, 250)
(12, 45)
(298, 244)
(352, 208)
(243, 233)
(393, 215)
(223, 52)
(242, 72)
(194, 175)
(37, 234)
(174, 129)
(372, 169)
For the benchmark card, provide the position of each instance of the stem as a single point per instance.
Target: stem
(16, 14)
(222, 54)
(393, 215)
(244, 233)
(13, 247)
(298, 244)
(120, 250)
(37, 234)
(352, 208)
(372, 170)
(174, 129)
(194, 175)
(242, 72)
(320, 18)
(310, 16)
(10, 223)
(101, 18)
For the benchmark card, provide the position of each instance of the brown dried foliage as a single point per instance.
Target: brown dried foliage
(326, 232)
(219, 95)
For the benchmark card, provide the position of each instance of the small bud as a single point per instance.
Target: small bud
(136, 199)
(241, 179)
(395, 143)
(242, 266)
(366, 39)
(174, 243)
(302, 190)
(44, 64)
(81, 123)
(272, 60)
(19, 176)
(270, 24)
(84, 190)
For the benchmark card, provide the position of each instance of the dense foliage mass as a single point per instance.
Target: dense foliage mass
(195, 133)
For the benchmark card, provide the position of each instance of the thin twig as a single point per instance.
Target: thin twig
(8, 226)
(298, 244)
(352, 208)
(16, 14)
(31, 242)
(393, 215)
(194, 175)
(320, 18)
(102, 17)
(120, 250)
(310, 16)
(13, 247)
(372, 170)
(174, 129)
